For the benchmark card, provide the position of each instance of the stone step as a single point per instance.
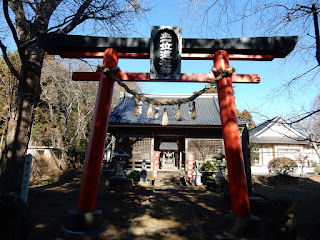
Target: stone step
(169, 178)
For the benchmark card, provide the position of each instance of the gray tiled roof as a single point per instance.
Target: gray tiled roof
(279, 140)
(256, 133)
(207, 109)
(263, 125)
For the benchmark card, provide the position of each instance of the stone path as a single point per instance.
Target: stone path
(167, 214)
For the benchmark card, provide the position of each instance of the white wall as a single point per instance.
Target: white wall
(267, 152)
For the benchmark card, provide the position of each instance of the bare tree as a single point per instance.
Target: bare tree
(310, 125)
(306, 123)
(8, 84)
(66, 100)
(30, 18)
(225, 18)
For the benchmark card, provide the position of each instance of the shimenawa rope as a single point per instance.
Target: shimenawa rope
(165, 102)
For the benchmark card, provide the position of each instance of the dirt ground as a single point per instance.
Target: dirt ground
(304, 192)
(166, 213)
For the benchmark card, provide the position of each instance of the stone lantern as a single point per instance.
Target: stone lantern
(221, 182)
(119, 181)
(196, 174)
(119, 164)
(220, 165)
(143, 173)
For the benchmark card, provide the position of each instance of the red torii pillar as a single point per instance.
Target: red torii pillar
(230, 132)
(94, 156)
(86, 217)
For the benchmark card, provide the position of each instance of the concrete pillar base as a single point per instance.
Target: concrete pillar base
(83, 221)
(243, 227)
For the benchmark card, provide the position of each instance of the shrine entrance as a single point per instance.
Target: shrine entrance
(169, 159)
(171, 152)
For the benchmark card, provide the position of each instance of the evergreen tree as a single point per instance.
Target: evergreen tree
(245, 114)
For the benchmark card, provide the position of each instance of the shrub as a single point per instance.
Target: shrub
(282, 166)
(135, 175)
(208, 169)
(208, 166)
(317, 169)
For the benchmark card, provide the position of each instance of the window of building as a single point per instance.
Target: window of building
(142, 149)
(288, 149)
(204, 149)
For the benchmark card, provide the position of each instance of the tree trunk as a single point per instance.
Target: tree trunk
(1, 141)
(20, 121)
(315, 147)
(316, 31)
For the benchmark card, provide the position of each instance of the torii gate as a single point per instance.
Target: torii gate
(111, 49)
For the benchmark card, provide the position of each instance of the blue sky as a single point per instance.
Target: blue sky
(264, 100)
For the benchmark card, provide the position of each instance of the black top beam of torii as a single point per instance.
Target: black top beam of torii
(278, 47)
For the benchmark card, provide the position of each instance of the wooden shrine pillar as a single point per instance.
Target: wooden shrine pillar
(231, 137)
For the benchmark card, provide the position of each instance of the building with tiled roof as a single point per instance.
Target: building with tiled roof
(140, 136)
(275, 138)
(207, 108)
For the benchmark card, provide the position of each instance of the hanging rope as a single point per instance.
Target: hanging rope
(112, 73)
(165, 102)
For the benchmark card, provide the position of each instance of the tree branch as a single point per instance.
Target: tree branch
(9, 22)
(30, 5)
(316, 29)
(65, 21)
(306, 116)
(45, 9)
(305, 73)
(78, 18)
(288, 84)
(29, 42)
(8, 62)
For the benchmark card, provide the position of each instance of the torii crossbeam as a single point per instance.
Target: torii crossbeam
(257, 49)
(84, 46)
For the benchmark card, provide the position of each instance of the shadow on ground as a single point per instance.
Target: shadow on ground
(50, 204)
(303, 192)
(176, 213)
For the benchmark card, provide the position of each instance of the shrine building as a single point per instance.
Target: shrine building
(140, 136)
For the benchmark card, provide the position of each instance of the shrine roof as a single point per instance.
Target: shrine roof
(207, 109)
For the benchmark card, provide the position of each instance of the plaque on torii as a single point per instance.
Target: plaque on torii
(218, 50)
(165, 52)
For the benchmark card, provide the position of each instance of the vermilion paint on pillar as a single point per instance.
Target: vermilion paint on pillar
(92, 169)
(231, 138)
